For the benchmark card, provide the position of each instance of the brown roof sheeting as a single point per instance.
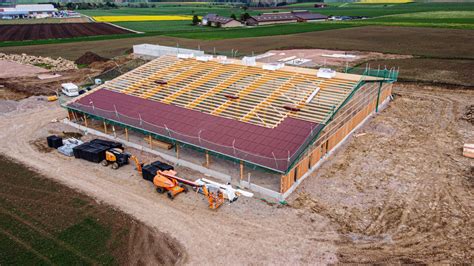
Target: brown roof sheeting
(275, 17)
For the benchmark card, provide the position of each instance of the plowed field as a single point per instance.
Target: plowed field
(56, 31)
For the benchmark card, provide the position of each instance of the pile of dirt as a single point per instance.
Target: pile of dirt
(58, 64)
(27, 86)
(89, 58)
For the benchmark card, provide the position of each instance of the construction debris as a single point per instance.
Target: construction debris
(59, 64)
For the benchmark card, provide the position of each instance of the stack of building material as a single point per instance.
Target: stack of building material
(68, 146)
(468, 150)
(110, 144)
(94, 151)
(54, 141)
(149, 171)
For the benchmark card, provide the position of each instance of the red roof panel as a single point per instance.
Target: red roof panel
(256, 144)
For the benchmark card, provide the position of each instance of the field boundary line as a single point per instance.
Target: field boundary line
(123, 28)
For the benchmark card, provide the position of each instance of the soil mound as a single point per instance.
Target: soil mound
(89, 58)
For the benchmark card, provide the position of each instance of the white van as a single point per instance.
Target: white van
(70, 89)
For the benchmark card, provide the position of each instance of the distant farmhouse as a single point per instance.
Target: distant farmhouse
(28, 11)
(215, 20)
(285, 17)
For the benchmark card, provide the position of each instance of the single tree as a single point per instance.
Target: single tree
(233, 16)
(196, 20)
(244, 16)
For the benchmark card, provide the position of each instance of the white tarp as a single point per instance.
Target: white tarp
(159, 50)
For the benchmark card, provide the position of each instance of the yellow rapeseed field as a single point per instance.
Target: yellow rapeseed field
(141, 18)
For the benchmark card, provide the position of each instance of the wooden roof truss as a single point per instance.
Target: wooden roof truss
(247, 94)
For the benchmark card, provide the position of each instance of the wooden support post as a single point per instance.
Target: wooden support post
(69, 115)
(126, 134)
(241, 170)
(177, 150)
(150, 141)
(74, 116)
(85, 119)
(207, 159)
(105, 127)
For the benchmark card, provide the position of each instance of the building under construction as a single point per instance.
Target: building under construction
(273, 121)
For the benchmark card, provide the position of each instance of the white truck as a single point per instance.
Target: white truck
(70, 89)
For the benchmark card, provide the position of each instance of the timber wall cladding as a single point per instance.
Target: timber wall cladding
(362, 104)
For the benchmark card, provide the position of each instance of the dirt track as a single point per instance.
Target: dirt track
(399, 193)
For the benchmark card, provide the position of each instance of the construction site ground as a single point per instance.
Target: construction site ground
(325, 58)
(398, 191)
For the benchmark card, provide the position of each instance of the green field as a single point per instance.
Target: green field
(42, 222)
(437, 15)
(200, 10)
(261, 31)
(163, 26)
(436, 19)
(442, 15)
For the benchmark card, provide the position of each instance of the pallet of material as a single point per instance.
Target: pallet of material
(159, 143)
(468, 150)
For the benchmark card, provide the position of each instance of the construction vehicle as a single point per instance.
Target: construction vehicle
(163, 177)
(214, 195)
(168, 181)
(115, 156)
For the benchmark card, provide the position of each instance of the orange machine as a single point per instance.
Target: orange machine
(138, 165)
(165, 181)
(214, 196)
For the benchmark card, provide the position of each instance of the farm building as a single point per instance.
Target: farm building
(28, 11)
(215, 20)
(305, 16)
(271, 18)
(266, 126)
(285, 17)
